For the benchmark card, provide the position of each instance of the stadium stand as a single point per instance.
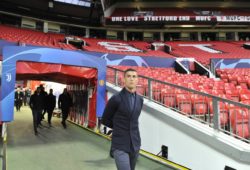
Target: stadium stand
(122, 47)
(32, 37)
(201, 51)
(204, 51)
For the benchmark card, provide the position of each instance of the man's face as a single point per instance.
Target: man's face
(38, 90)
(131, 79)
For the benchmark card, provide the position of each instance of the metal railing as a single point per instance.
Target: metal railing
(230, 117)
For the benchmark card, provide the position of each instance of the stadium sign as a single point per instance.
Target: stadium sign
(233, 18)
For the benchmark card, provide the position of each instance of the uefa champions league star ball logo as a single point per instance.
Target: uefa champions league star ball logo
(127, 60)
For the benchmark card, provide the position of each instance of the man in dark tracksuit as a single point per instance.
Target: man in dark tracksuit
(122, 113)
(37, 106)
(64, 103)
(50, 105)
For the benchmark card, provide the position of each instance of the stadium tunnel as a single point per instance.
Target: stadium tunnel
(84, 74)
(80, 81)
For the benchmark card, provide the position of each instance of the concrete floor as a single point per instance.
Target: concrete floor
(56, 148)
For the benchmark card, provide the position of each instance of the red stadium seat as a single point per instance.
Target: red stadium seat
(233, 95)
(242, 130)
(184, 103)
(244, 97)
(223, 110)
(200, 106)
(238, 116)
(168, 98)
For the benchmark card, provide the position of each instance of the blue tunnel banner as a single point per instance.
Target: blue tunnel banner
(12, 54)
(218, 63)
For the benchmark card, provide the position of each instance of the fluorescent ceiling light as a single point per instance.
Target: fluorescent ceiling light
(187, 26)
(85, 3)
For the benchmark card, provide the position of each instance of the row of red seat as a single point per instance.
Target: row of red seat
(32, 37)
(213, 49)
(201, 51)
(240, 76)
(122, 47)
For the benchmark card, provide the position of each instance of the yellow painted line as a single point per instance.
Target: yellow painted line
(162, 160)
(5, 138)
(97, 133)
(142, 152)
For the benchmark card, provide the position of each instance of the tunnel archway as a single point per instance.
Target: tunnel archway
(68, 68)
(80, 81)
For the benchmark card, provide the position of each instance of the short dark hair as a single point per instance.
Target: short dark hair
(129, 69)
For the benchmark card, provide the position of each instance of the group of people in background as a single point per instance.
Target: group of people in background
(22, 97)
(41, 103)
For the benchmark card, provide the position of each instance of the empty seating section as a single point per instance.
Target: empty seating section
(236, 76)
(201, 51)
(122, 47)
(194, 104)
(32, 37)
(204, 51)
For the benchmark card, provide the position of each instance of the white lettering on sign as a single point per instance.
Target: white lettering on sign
(204, 47)
(203, 18)
(130, 18)
(160, 18)
(234, 18)
(184, 18)
(115, 46)
(114, 19)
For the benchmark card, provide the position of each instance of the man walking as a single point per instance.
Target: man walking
(122, 113)
(18, 99)
(64, 103)
(37, 106)
(50, 105)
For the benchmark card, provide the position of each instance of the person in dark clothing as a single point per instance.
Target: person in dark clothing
(27, 94)
(50, 105)
(18, 99)
(44, 94)
(64, 103)
(121, 114)
(36, 105)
